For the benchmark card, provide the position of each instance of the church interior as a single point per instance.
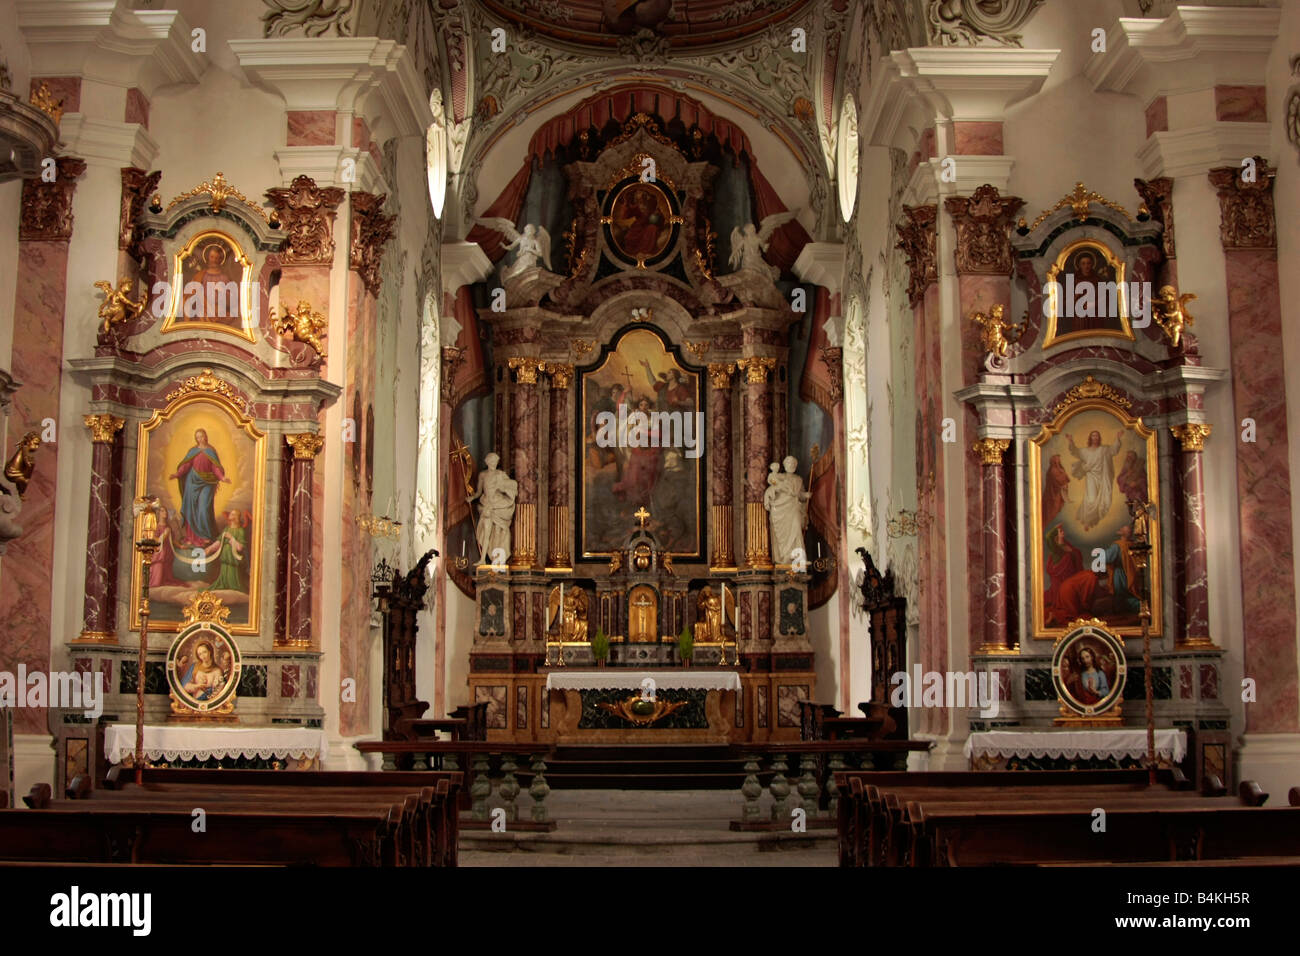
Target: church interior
(435, 430)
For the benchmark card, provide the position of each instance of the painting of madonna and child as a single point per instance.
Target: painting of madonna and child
(641, 447)
(1084, 469)
(204, 467)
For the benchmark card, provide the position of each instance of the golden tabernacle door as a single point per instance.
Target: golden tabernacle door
(642, 614)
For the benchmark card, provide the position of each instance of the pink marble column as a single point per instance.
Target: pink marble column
(990, 452)
(758, 455)
(100, 625)
(1248, 233)
(558, 521)
(523, 434)
(305, 447)
(1196, 589)
(721, 518)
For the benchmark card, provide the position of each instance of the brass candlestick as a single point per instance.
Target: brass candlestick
(146, 543)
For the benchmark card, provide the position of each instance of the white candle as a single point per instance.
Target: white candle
(559, 612)
(819, 549)
(462, 547)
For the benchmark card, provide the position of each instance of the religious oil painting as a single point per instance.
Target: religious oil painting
(211, 287)
(1088, 670)
(1084, 469)
(640, 222)
(203, 667)
(1087, 295)
(204, 462)
(641, 444)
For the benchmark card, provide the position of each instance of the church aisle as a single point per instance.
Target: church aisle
(647, 828)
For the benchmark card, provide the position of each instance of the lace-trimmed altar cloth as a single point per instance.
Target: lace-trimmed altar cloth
(1072, 744)
(204, 743)
(631, 678)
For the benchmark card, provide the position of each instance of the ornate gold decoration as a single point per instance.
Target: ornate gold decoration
(1170, 312)
(991, 450)
(305, 445)
(641, 121)
(47, 207)
(136, 185)
(117, 307)
(756, 368)
(103, 428)
(581, 346)
(983, 223)
(561, 374)
(43, 99)
(916, 237)
(205, 606)
(1157, 196)
(720, 374)
(526, 369)
(641, 516)
(615, 562)
(1247, 217)
(1080, 199)
(218, 191)
(21, 464)
(642, 711)
(306, 213)
(1091, 388)
(1192, 435)
(699, 348)
(302, 324)
(371, 230)
(994, 329)
(205, 381)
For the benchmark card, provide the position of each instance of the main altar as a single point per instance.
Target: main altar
(632, 513)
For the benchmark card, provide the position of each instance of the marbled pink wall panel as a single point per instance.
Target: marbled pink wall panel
(1157, 115)
(977, 138)
(360, 133)
(28, 564)
(65, 88)
(137, 107)
(1240, 104)
(310, 128)
(1264, 490)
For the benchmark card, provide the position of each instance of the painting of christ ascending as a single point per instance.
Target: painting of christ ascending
(642, 444)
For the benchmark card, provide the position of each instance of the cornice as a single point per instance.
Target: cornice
(325, 165)
(973, 83)
(463, 263)
(821, 263)
(104, 142)
(1193, 151)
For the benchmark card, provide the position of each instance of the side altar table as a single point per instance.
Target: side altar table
(302, 746)
(630, 705)
(994, 749)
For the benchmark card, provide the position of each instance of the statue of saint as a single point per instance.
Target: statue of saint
(709, 626)
(573, 618)
(497, 492)
(787, 513)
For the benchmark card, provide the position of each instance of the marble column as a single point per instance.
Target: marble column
(758, 455)
(558, 521)
(721, 528)
(1195, 631)
(997, 639)
(101, 549)
(306, 446)
(523, 432)
(1248, 233)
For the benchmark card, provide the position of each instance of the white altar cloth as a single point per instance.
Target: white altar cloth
(1071, 744)
(630, 679)
(203, 743)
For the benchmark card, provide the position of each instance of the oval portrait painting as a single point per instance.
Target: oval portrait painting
(1089, 669)
(640, 222)
(203, 667)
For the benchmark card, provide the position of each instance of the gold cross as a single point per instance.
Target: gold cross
(641, 514)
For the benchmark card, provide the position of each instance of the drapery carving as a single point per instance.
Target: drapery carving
(917, 240)
(137, 186)
(1158, 194)
(371, 230)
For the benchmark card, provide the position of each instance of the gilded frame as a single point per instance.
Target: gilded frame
(239, 423)
(1126, 625)
(176, 321)
(1053, 304)
(1091, 635)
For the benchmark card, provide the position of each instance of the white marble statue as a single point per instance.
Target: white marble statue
(532, 245)
(748, 244)
(787, 512)
(496, 494)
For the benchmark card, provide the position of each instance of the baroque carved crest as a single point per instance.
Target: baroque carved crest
(371, 230)
(306, 212)
(47, 207)
(1246, 206)
(983, 223)
(205, 381)
(916, 236)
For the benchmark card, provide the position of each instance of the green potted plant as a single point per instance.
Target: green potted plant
(600, 647)
(685, 645)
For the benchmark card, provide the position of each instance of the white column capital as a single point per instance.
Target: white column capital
(463, 263)
(1195, 150)
(821, 263)
(973, 83)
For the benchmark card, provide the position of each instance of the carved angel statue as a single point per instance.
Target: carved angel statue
(748, 244)
(117, 306)
(21, 464)
(304, 325)
(997, 334)
(533, 244)
(1169, 309)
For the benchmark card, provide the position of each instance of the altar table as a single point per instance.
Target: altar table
(987, 749)
(631, 678)
(182, 742)
(579, 702)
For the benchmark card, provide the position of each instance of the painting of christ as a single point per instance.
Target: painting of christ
(640, 221)
(641, 446)
(1084, 469)
(203, 461)
(1087, 294)
(211, 286)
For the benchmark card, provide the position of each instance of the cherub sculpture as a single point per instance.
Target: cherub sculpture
(533, 244)
(996, 333)
(304, 325)
(117, 307)
(748, 244)
(21, 464)
(1169, 309)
